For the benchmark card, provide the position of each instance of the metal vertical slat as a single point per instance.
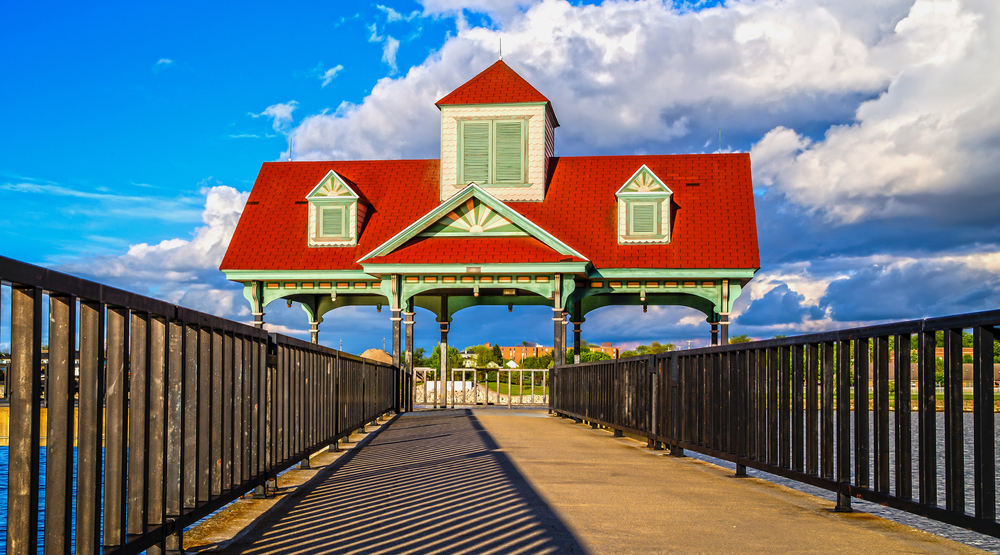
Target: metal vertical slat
(192, 407)
(156, 477)
(843, 422)
(954, 441)
(173, 475)
(862, 473)
(785, 402)
(217, 419)
(772, 406)
(205, 429)
(983, 425)
(812, 409)
(742, 405)
(138, 424)
(827, 426)
(798, 427)
(116, 425)
(25, 384)
(59, 436)
(762, 405)
(750, 431)
(926, 419)
(904, 470)
(239, 415)
(880, 439)
(230, 408)
(90, 458)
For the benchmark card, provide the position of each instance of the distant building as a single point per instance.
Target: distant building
(521, 352)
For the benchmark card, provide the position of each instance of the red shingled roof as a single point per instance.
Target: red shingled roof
(497, 84)
(713, 223)
(469, 250)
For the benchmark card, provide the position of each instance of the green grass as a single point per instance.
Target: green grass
(515, 390)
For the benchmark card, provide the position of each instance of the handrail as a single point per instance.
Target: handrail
(772, 406)
(180, 412)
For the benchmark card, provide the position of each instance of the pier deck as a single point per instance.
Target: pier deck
(490, 480)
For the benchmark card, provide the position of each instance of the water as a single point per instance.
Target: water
(4, 477)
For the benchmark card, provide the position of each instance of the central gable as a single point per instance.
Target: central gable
(471, 219)
(472, 213)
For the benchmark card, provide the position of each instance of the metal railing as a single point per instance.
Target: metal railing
(773, 406)
(470, 386)
(180, 412)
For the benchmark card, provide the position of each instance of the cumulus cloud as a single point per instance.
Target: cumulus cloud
(280, 115)
(932, 135)
(182, 271)
(652, 78)
(393, 16)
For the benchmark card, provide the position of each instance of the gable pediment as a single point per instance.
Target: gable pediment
(472, 213)
(332, 187)
(645, 182)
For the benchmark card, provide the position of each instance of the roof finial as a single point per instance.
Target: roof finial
(290, 145)
(501, 50)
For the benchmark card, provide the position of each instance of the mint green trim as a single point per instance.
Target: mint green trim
(492, 156)
(544, 289)
(734, 293)
(467, 234)
(631, 205)
(661, 273)
(297, 275)
(472, 190)
(490, 269)
(338, 179)
(705, 306)
(665, 192)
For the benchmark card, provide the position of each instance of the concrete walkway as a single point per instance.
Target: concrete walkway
(500, 481)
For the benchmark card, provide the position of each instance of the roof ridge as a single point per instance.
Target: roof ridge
(497, 84)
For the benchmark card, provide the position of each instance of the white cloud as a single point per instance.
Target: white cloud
(392, 15)
(164, 61)
(328, 75)
(643, 73)
(931, 135)
(110, 204)
(374, 36)
(389, 49)
(182, 271)
(280, 115)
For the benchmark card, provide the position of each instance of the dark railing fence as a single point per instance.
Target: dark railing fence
(772, 406)
(179, 412)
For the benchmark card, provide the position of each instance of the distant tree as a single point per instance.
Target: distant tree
(418, 357)
(594, 356)
(454, 358)
(526, 344)
(498, 354)
(782, 336)
(630, 353)
(536, 363)
(655, 347)
(742, 338)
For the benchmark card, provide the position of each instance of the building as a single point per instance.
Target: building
(499, 220)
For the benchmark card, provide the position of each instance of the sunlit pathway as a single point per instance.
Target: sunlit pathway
(501, 481)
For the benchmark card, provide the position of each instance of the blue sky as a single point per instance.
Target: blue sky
(133, 133)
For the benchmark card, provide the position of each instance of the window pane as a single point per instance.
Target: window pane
(510, 148)
(475, 152)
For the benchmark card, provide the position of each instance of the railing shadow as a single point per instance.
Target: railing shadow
(429, 482)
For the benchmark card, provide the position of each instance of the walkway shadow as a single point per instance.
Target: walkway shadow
(431, 482)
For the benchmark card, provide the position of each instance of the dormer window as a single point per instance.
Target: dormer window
(644, 209)
(492, 152)
(335, 213)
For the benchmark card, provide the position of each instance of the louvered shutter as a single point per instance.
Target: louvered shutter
(332, 224)
(643, 219)
(509, 152)
(476, 152)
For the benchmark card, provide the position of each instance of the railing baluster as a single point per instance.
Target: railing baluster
(772, 406)
(843, 422)
(785, 402)
(156, 476)
(881, 436)
(861, 439)
(827, 426)
(904, 472)
(954, 440)
(984, 450)
(138, 425)
(927, 419)
(59, 436)
(191, 407)
(116, 426)
(812, 409)
(25, 384)
(90, 459)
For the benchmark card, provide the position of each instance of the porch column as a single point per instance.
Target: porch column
(396, 336)
(564, 326)
(440, 391)
(257, 303)
(724, 314)
(577, 320)
(408, 374)
(715, 333)
(559, 335)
